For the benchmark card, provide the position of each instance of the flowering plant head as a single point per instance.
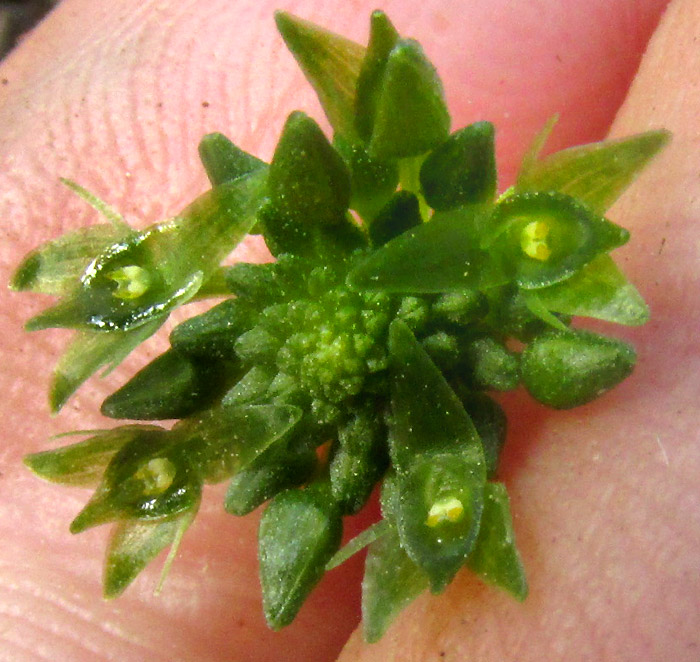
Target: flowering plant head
(404, 293)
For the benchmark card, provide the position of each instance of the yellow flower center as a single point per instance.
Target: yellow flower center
(445, 510)
(533, 240)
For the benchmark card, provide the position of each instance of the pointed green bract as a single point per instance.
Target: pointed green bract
(382, 39)
(89, 352)
(411, 116)
(299, 532)
(462, 170)
(109, 214)
(599, 290)
(134, 544)
(391, 582)
(56, 266)
(538, 142)
(270, 473)
(595, 174)
(82, 464)
(308, 179)
(490, 422)
(331, 64)
(223, 161)
(358, 459)
(495, 557)
(309, 189)
(173, 385)
(568, 369)
(536, 307)
(212, 334)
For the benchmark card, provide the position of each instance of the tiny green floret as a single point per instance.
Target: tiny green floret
(403, 292)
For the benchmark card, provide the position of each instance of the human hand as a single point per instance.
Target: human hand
(114, 97)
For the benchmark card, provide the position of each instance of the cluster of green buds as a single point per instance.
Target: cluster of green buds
(403, 293)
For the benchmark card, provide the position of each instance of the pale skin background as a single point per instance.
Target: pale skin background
(605, 498)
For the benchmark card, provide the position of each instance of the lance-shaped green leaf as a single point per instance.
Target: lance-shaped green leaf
(88, 352)
(150, 477)
(599, 290)
(135, 543)
(391, 582)
(227, 439)
(56, 266)
(462, 170)
(331, 64)
(299, 533)
(427, 415)
(224, 161)
(174, 385)
(82, 464)
(495, 557)
(146, 276)
(440, 462)
(382, 39)
(568, 369)
(439, 256)
(411, 116)
(596, 174)
(544, 238)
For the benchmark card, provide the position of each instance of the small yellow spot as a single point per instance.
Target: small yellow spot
(446, 510)
(132, 282)
(533, 240)
(157, 475)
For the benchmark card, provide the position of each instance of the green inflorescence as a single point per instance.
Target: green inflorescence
(365, 354)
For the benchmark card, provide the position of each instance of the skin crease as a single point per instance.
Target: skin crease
(116, 95)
